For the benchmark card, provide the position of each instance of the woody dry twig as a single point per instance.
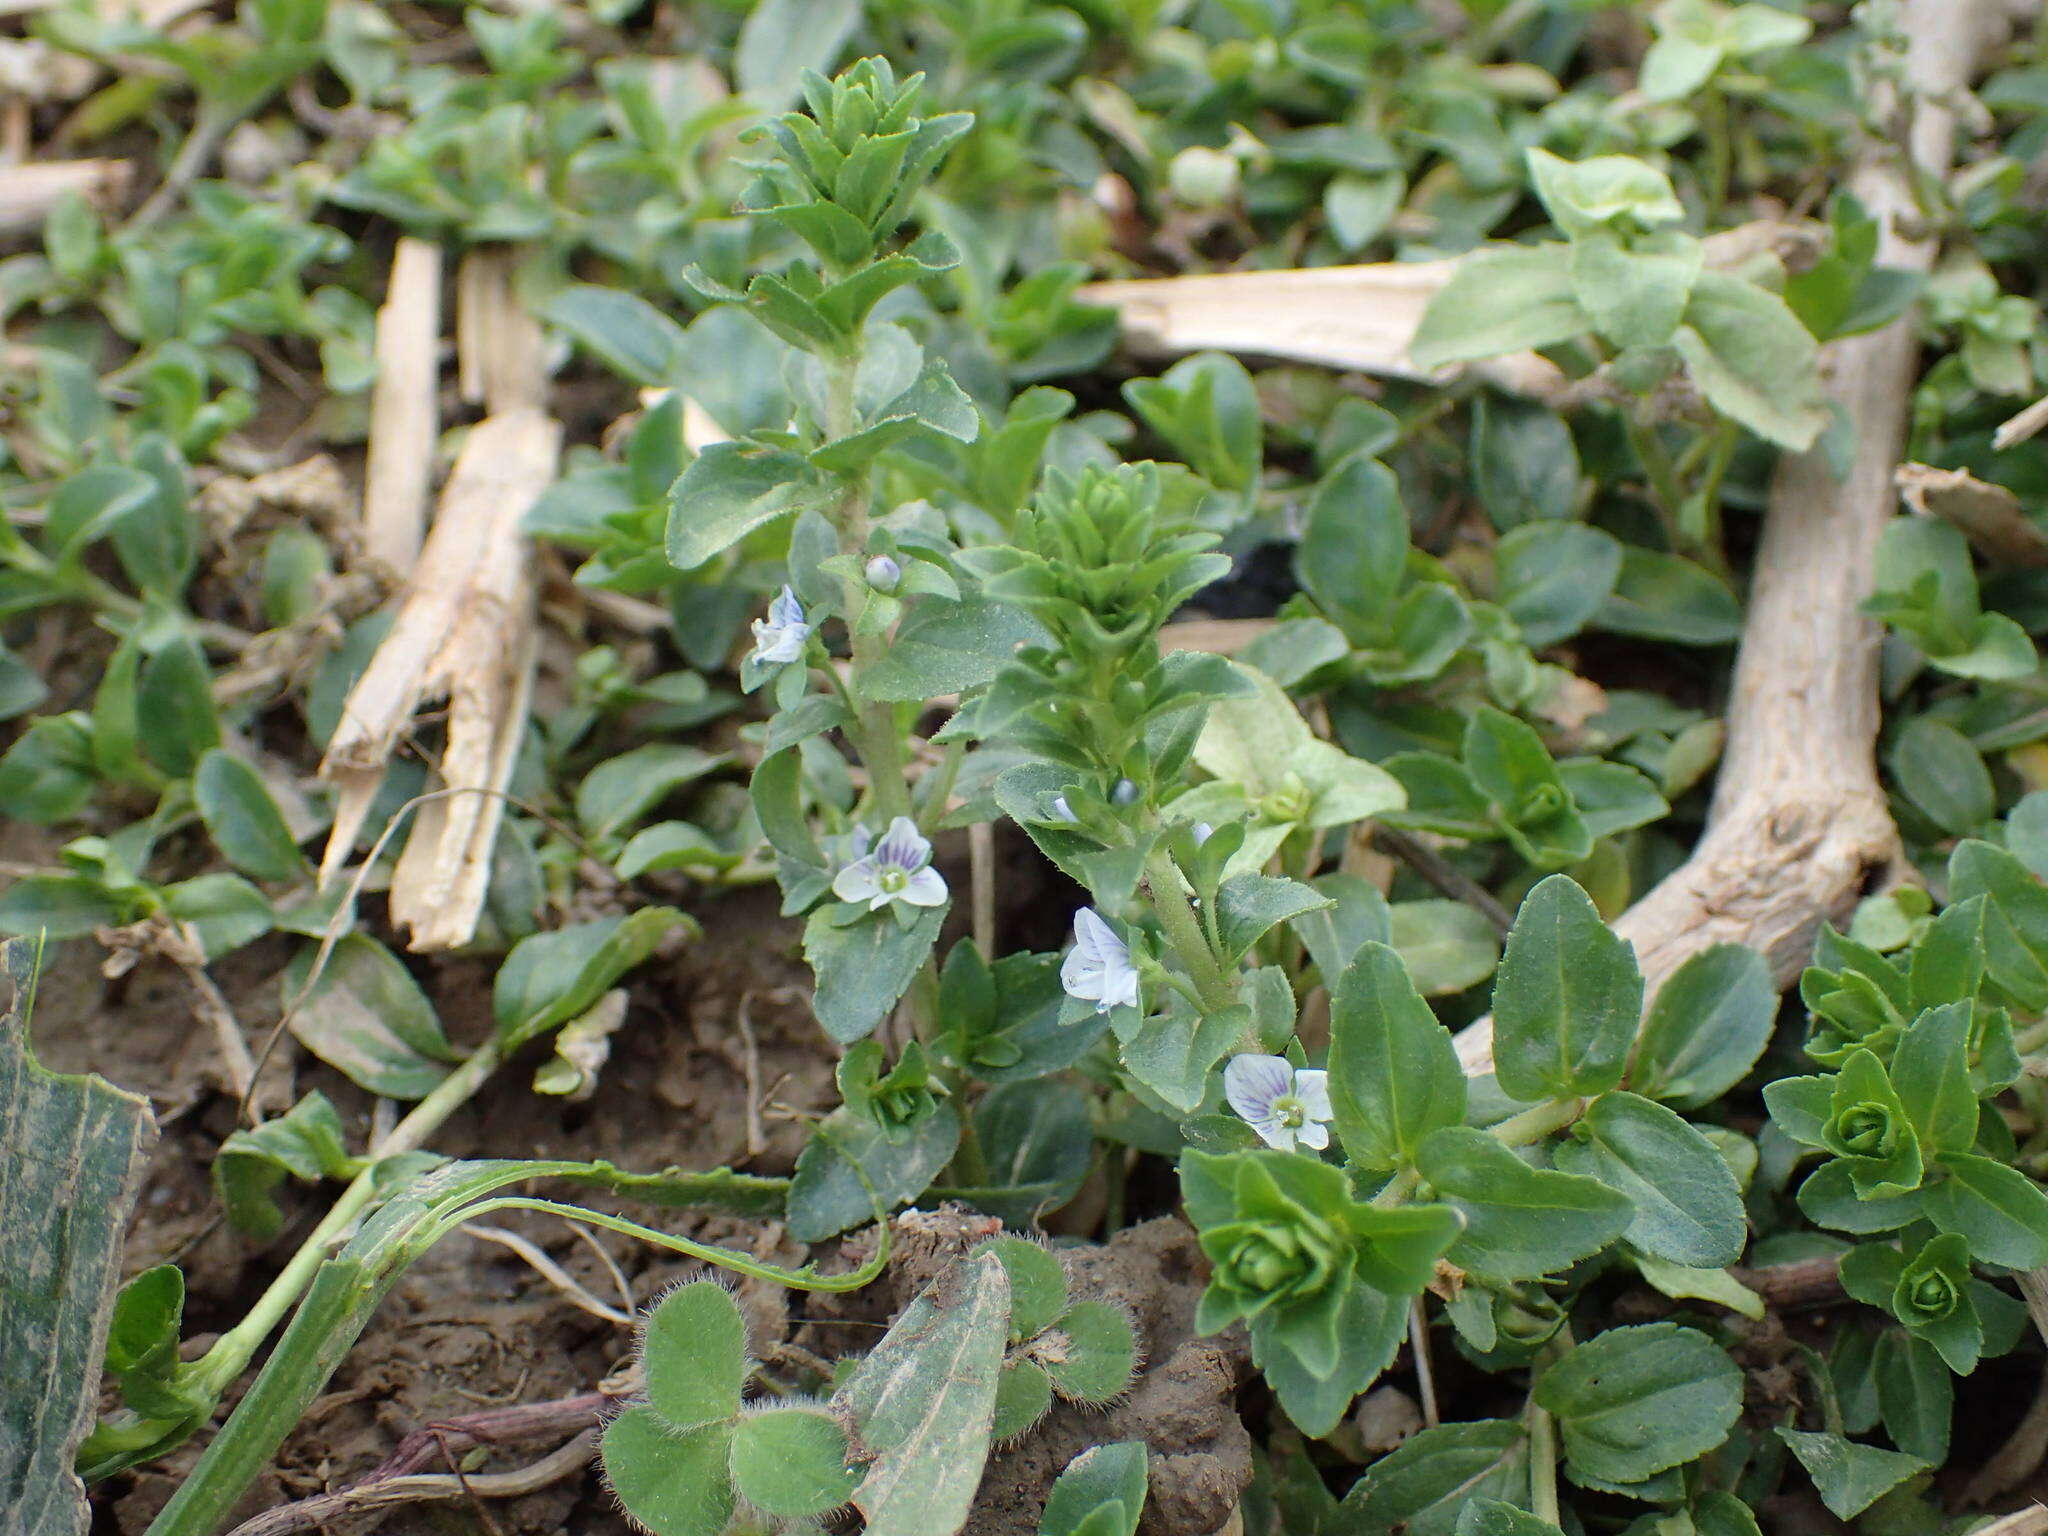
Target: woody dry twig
(1799, 828)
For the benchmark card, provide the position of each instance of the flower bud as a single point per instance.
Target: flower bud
(1124, 794)
(1202, 177)
(883, 573)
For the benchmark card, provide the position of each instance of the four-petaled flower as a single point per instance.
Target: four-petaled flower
(1098, 969)
(1286, 1105)
(898, 868)
(780, 637)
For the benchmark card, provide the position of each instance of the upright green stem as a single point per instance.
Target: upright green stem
(1665, 490)
(1535, 1123)
(874, 730)
(1720, 153)
(233, 1350)
(1184, 932)
(1542, 1464)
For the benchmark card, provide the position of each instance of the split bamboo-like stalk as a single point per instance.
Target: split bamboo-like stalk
(29, 192)
(466, 629)
(404, 407)
(464, 632)
(1799, 829)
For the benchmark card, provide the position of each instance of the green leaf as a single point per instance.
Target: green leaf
(1248, 906)
(1422, 1485)
(1915, 1394)
(1682, 1282)
(783, 38)
(947, 647)
(550, 978)
(850, 1169)
(367, 1018)
(74, 1149)
(864, 962)
(1521, 1223)
(1753, 360)
(1100, 1353)
(1635, 1401)
(1554, 577)
(923, 1400)
(628, 334)
(1688, 1207)
(729, 490)
(1635, 298)
(1515, 299)
(174, 714)
(1582, 197)
(1937, 768)
(1497, 1517)
(1394, 1074)
(791, 1462)
(2002, 1212)
(306, 1142)
(1567, 1000)
(620, 790)
(693, 1356)
(1104, 1478)
(59, 907)
(1850, 1477)
(673, 1485)
(1666, 597)
(1525, 465)
(244, 822)
(1206, 407)
(1446, 945)
(1709, 1023)
(1172, 1054)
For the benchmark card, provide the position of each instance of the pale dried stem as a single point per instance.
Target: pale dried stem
(465, 632)
(28, 193)
(1357, 317)
(500, 349)
(404, 407)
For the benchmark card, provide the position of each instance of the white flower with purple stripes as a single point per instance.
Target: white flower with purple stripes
(1285, 1104)
(897, 868)
(1098, 968)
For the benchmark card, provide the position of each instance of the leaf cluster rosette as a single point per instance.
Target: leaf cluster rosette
(1323, 1280)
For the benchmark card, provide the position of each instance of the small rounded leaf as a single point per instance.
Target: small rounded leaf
(1023, 1395)
(1038, 1285)
(694, 1355)
(791, 1462)
(1099, 1354)
(670, 1484)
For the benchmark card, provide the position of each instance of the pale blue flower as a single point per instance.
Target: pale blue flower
(780, 637)
(1061, 810)
(1098, 968)
(1285, 1104)
(898, 868)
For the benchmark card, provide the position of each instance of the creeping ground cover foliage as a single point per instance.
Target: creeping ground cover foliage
(997, 904)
